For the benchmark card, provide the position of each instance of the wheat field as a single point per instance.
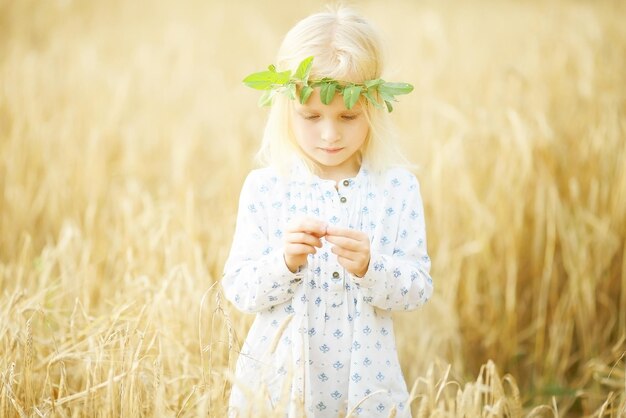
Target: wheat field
(125, 136)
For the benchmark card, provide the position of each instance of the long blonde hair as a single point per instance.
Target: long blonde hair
(345, 47)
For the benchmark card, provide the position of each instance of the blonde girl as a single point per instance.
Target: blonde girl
(330, 236)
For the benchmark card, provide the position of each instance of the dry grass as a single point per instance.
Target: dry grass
(125, 134)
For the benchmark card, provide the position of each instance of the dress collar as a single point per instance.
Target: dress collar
(300, 173)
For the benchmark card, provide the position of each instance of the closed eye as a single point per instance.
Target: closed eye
(310, 116)
(349, 117)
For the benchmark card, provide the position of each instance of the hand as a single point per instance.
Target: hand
(352, 248)
(301, 238)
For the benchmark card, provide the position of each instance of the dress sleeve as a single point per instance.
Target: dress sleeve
(255, 274)
(401, 280)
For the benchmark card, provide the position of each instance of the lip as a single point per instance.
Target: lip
(331, 150)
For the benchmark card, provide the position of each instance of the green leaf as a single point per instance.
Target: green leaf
(386, 96)
(389, 106)
(305, 92)
(395, 88)
(351, 95)
(265, 80)
(291, 91)
(266, 98)
(302, 73)
(371, 99)
(372, 83)
(322, 81)
(327, 92)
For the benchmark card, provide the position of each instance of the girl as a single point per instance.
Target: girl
(330, 236)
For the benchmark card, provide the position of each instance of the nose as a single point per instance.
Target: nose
(330, 132)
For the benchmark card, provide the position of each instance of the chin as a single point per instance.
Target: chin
(331, 163)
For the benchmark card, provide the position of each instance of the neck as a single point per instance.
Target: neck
(338, 173)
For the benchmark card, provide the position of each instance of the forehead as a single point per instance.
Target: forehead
(314, 103)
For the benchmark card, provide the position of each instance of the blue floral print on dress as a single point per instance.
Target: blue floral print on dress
(335, 328)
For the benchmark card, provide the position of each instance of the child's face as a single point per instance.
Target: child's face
(330, 135)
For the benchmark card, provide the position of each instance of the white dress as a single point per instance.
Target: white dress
(322, 336)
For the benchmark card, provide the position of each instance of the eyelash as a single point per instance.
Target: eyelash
(314, 117)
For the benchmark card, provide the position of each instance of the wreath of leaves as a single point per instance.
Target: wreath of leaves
(285, 82)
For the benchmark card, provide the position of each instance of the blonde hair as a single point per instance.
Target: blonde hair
(345, 47)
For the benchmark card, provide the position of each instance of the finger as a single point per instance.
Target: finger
(350, 255)
(346, 232)
(347, 243)
(303, 238)
(310, 225)
(357, 269)
(299, 249)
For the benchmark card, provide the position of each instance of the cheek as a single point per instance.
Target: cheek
(366, 131)
(304, 132)
(362, 132)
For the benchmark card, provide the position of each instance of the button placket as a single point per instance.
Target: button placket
(344, 191)
(336, 275)
(337, 285)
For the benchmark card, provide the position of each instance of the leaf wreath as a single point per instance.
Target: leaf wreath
(285, 82)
